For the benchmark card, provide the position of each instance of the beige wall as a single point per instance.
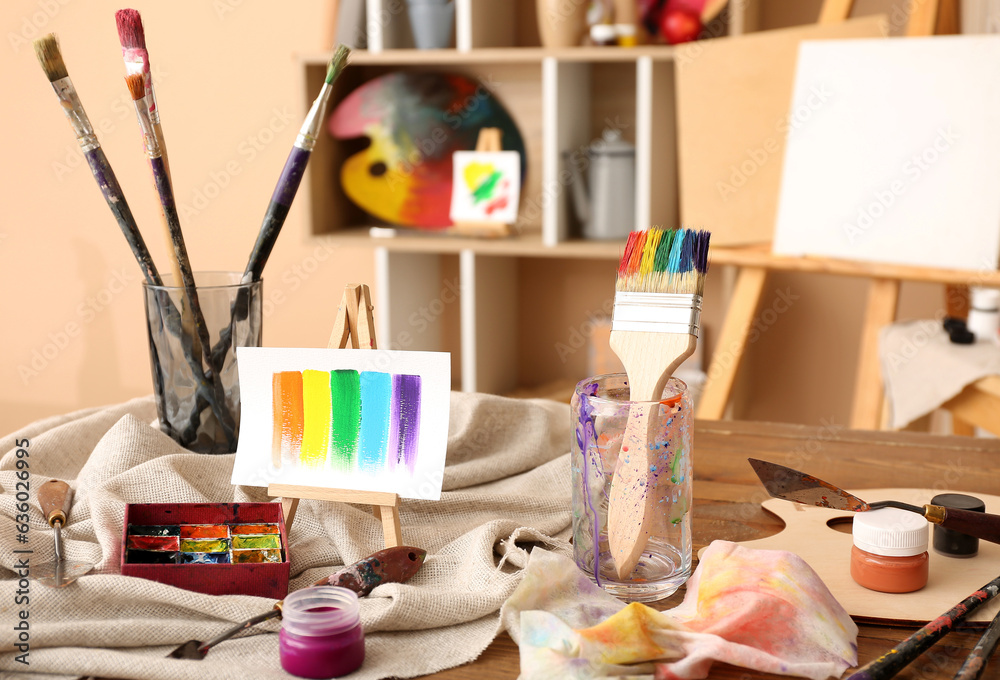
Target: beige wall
(73, 332)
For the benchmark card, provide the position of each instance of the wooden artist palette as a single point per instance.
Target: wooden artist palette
(808, 534)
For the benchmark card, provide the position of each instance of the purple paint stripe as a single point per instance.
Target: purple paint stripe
(405, 419)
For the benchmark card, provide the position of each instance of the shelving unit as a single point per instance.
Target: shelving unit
(521, 301)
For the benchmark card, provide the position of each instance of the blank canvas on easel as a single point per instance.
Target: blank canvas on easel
(900, 161)
(732, 117)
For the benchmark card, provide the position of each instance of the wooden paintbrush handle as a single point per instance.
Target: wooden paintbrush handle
(632, 497)
(55, 498)
(978, 524)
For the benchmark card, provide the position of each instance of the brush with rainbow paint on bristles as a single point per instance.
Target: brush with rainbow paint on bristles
(654, 328)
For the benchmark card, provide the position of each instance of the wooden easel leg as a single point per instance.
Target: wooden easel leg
(289, 506)
(962, 428)
(732, 343)
(923, 18)
(835, 11)
(883, 294)
(390, 525)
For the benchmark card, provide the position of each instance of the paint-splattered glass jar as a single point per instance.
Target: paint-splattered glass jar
(599, 413)
(321, 634)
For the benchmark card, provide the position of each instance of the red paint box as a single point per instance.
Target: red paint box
(267, 579)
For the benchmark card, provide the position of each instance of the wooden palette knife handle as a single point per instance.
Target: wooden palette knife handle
(55, 497)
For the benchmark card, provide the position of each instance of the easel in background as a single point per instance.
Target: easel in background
(490, 139)
(926, 17)
(354, 328)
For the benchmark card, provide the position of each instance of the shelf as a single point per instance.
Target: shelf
(494, 55)
(528, 244)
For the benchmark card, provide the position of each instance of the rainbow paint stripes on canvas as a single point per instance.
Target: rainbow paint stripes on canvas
(345, 420)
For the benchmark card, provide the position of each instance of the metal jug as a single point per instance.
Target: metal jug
(605, 204)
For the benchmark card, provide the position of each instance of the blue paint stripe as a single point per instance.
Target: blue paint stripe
(376, 396)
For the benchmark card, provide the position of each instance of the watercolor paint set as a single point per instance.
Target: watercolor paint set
(203, 544)
(211, 548)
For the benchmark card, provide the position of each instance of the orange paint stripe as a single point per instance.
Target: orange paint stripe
(289, 417)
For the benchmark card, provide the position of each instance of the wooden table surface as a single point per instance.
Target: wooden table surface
(727, 507)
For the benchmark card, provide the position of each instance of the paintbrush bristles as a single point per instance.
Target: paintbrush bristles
(664, 261)
(130, 31)
(337, 63)
(136, 86)
(50, 57)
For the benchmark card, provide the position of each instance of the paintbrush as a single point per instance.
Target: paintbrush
(655, 324)
(133, 40)
(893, 661)
(50, 57)
(137, 88)
(132, 36)
(295, 166)
(284, 193)
(976, 662)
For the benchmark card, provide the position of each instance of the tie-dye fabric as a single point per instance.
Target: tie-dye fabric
(764, 610)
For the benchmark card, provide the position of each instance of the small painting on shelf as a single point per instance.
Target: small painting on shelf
(486, 186)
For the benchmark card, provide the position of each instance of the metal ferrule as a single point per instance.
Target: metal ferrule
(146, 127)
(154, 110)
(73, 108)
(309, 132)
(657, 312)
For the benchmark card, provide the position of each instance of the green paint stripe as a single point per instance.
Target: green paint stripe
(345, 391)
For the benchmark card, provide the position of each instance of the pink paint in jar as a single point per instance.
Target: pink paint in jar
(321, 634)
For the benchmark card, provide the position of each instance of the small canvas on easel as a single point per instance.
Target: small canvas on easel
(898, 160)
(344, 419)
(486, 186)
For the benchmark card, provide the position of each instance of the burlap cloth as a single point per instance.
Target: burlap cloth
(506, 486)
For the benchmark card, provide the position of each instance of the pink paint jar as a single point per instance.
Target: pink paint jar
(321, 635)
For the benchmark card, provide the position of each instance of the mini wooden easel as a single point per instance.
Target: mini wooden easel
(354, 328)
(489, 140)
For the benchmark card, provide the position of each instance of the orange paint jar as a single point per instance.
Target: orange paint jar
(890, 550)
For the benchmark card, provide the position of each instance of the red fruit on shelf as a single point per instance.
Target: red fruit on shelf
(679, 25)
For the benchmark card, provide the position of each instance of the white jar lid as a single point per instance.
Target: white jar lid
(890, 532)
(984, 299)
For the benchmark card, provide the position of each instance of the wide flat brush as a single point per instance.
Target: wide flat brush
(51, 60)
(655, 325)
(136, 87)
